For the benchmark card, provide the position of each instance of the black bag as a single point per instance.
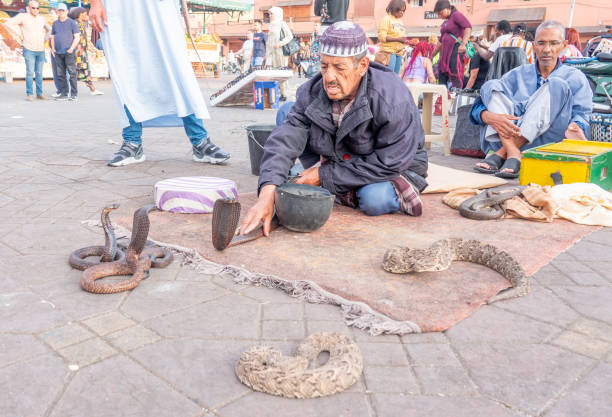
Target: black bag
(466, 141)
(313, 69)
(292, 47)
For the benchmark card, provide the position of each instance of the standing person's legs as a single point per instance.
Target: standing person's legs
(131, 151)
(247, 63)
(58, 87)
(38, 69)
(377, 199)
(203, 148)
(71, 67)
(443, 79)
(30, 61)
(60, 60)
(395, 63)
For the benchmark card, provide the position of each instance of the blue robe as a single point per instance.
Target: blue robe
(522, 82)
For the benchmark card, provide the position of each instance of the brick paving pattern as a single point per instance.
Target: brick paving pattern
(168, 348)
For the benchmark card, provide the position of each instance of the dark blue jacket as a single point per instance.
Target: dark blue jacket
(380, 136)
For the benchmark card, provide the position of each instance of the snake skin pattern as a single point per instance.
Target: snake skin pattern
(265, 369)
(488, 204)
(226, 214)
(137, 260)
(442, 253)
(107, 253)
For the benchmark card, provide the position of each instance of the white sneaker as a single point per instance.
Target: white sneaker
(97, 93)
(55, 95)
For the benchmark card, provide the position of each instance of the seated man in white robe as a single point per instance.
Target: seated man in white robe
(144, 44)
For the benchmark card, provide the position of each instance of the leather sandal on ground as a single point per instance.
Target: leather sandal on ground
(511, 163)
(493, 161)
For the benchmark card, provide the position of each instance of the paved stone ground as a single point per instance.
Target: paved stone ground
(168, 347)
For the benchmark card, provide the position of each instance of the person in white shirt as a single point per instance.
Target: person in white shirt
(32, 30)
(247, 52)
(503, 31)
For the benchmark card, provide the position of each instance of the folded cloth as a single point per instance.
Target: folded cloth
(408, 197)
(583, 203)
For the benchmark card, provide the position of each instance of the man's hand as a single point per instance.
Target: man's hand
(53, 51)
(309, 176)
(574, 132)
(262, 211)
(502, 124)
(97, 15)
(277, 45)
(461, 49)
(70, 50)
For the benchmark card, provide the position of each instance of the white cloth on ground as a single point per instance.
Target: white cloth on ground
(583, 203)
(145, 48)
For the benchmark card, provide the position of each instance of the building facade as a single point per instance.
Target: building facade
(589, 17)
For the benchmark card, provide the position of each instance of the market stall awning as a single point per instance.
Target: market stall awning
(222, 5)
(531, 14)
(287, 4)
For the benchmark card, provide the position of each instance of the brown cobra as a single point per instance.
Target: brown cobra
(226, 214)
(137, 260)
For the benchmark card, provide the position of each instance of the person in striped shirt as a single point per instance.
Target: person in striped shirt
(518, 40)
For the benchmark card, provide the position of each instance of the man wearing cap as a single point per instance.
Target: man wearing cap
(356, 130)
(32, 29)
(65, 36)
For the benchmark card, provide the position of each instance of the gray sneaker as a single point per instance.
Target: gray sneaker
(207, 151)
(129, 153)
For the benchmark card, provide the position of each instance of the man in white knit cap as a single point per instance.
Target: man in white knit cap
(356, 130)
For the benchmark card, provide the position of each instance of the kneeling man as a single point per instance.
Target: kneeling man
(532, 105)
(356, 130)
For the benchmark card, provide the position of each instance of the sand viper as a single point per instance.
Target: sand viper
(442, 253)
(265, 369)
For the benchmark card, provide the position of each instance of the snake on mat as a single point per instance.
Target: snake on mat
(442, 253)
(265, 369)
(136, 261)
(226, 215)
(488, 204)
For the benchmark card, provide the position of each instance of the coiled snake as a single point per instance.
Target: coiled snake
(442, 253)
(265, 369)
(136, 261)
(488, 204)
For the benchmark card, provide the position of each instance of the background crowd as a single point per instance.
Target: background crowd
(69, 41)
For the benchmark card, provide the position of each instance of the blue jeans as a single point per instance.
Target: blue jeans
(257, 61)
(58, 87)
(395, 63)
(34, 64)
(377, 199)
(193, 127)
(374, 199)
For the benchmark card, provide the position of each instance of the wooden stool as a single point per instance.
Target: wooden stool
(428, 90)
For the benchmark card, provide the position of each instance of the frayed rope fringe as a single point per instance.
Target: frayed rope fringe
(356, 314)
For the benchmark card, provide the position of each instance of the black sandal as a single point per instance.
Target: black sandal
(511, 163)
(493, 161)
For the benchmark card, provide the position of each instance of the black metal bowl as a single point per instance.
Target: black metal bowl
(303, 208)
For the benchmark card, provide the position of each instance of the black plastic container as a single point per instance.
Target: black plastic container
(257, 136)
(303, 208)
